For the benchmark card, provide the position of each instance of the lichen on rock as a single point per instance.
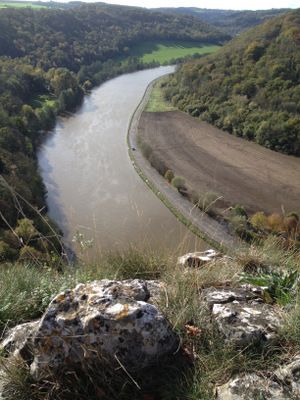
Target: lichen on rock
(241, 315)
(105, 320)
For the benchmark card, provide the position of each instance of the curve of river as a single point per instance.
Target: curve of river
(92, 185)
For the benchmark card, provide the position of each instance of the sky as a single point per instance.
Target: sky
(211, 4)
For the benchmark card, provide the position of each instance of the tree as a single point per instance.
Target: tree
(275, 223)
(25, 230)
(239, 211)
(259, 221)
(291, 225)
(208, 201)
(169, 175)
(178, 182)
(63, 80)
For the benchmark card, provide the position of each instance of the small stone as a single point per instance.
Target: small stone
(197, 259)
(14, 337)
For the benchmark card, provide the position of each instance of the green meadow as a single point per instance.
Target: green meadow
(164, 51)
(39, 101)
(19, 5)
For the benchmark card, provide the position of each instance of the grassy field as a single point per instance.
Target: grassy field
(19, 5)
(157, 101)
(164, 51)
(41, 100)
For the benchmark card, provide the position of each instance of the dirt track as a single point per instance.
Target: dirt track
(210, 159)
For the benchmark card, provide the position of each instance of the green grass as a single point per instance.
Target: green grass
(157, 101)
(39, 101)
(26, 289)
(165, 51)
(20, 5)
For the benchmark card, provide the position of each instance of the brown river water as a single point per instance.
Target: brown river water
(92, 185)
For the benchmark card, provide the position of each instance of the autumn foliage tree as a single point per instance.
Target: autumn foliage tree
(250, 87)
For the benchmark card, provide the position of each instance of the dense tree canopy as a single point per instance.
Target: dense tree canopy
(232, 21)
(250, 87)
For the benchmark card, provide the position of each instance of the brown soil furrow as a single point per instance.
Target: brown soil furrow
(210, 159)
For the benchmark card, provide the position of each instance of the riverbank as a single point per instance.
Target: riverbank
(191, 216)
(92, 187)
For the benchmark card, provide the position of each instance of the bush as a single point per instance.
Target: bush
(178, 182)
(169, 175)
(158, 164)
(291, 225)
(145, 149)
(238, 225)
(293, 214)
(208, 202)
(239, 211)
(6, 252)
(275, 223)
(194, 197)
(259, 221)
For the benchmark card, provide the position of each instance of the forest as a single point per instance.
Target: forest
(232, 21)
(48, 59)
(250, 87)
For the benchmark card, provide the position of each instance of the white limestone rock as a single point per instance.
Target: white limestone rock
(245, 323)
(283, 384)
(242, 316)
(290, 375)
(252, 387)
(198, 258)
(16, 337)
(105, 320)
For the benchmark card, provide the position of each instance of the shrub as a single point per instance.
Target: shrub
(6, 252)
(239, 211)
(178, 182)
(194, 197)
(157, 163)
(291, 225)
(259, 221)
(293, 214)
(146, 149)
(169, 175)
(275, 223)
(208, 202)
(26, 230)
(28, 253)
(238, 225)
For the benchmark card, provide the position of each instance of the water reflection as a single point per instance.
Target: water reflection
(92, 185)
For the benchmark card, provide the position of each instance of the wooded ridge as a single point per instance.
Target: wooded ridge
(232, 21)
(250, 87)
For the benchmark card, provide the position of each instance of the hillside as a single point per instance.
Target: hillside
(49, 59)
(232, 21)
(250, 87)
(92, 32)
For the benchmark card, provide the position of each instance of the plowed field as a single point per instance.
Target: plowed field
(209, 159)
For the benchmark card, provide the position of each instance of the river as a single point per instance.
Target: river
(91, 183)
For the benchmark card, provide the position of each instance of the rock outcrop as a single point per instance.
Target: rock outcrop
(116, 323)
(105, 320)
(283, 384)
(242, 316)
